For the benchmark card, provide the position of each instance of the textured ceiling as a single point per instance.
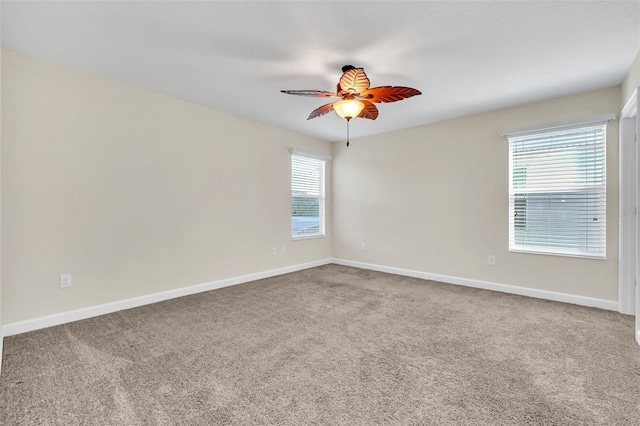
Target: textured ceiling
(466, 57)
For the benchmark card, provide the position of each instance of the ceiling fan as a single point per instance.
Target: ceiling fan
(357, 97)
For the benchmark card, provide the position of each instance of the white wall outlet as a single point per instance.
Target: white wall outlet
(283, 250)
(492, 260)
(275, 250)
(65, 281)
(363, 246)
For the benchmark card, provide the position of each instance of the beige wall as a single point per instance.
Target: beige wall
(435, 199)
(133, 192)
(632, 81)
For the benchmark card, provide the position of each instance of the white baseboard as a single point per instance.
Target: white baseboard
(107, 308)
(611, 305)
(93, 311)
(638, 337)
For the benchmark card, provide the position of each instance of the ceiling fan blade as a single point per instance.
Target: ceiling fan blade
(354, 81)
(324, 109)
(389, 93)
(315, 93)
(369, 111)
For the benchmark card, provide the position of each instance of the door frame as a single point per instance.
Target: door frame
(629, 199)
(627, 213)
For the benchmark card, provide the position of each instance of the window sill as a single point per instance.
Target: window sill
(546, 253)
(307, 237)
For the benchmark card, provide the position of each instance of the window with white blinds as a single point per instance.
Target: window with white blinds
(557, 192)
(307, 196)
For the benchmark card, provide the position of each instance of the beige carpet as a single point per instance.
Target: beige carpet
(331, 345)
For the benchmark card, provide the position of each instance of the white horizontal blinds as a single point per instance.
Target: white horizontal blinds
(307, 196)
(557, 194)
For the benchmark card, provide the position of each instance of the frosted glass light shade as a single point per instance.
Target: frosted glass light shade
(348, 108)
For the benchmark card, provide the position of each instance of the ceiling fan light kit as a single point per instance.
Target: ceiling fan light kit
(348, 108)
(357, 97)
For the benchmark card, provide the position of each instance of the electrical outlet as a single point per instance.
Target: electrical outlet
(363, 246)
(283, 250)
(65, 281)
(275, 250)
(492, 260)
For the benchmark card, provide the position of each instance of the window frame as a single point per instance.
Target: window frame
(322, 191)
(584, 191)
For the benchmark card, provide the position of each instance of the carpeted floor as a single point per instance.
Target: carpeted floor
(330, 345)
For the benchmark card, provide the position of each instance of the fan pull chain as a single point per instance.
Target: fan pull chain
(348, 131)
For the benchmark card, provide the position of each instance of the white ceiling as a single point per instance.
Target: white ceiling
(465, 57)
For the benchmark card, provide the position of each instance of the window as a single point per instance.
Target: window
(307, 195)
(557, 192)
